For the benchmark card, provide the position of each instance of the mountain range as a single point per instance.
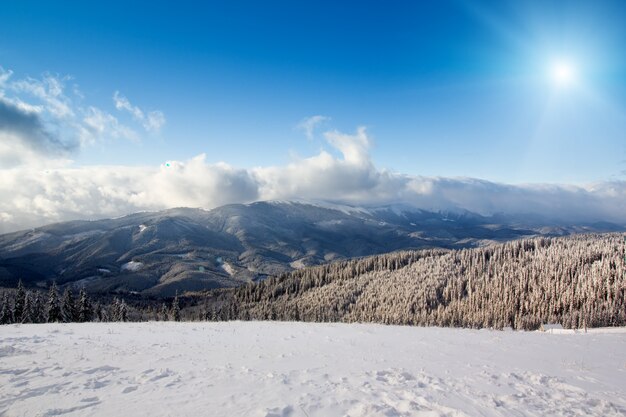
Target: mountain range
(183, 249)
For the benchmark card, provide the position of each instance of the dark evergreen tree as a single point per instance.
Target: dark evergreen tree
(85, 309)
(6, 316)
(37, 313)
(54, 310)
(68, 309)
(27, 313)
(18, 305)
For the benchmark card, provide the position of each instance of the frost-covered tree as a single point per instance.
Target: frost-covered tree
(53, 310)
(85, 309)
(164, 314)
(68, 309)
(120, 310)
(27, 312)
(175, 311)
(6, 313)
(20, 301)
(37, 308)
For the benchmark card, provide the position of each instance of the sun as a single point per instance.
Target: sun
(563, 73)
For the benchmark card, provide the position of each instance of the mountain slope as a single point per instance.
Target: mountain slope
(184, 249)
(577, 281)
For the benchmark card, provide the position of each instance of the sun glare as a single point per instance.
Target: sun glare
(563, 73)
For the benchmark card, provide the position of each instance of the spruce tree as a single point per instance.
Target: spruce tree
(175, 312)
(115, 310)
(37, 314)
(164, 314)
(68, 306)
(122, 313)
(54, 311)
(27, 311)
(119, 310)
(20, 300)
(100, 313)
(85, 309)
(5, 311)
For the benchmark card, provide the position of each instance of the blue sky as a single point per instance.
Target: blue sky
(446, 88)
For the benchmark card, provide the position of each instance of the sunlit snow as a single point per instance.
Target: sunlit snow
(263, 369)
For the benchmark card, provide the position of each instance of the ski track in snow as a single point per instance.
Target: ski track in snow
(262, 369)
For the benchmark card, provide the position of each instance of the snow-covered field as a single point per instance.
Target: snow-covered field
(298, 369)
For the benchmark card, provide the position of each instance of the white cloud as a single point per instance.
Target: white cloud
(152, 121)
(99, 125)
(39, 121)
(122, 103)
(49, 90)
(24, 136)
(4, 77)
(33, 197)
(309, 124)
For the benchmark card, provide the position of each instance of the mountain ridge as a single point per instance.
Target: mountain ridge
(188, 249)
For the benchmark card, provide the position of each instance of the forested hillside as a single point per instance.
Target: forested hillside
(578, 281)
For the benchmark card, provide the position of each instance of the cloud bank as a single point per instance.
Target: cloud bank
(29, 197)
(41, 127)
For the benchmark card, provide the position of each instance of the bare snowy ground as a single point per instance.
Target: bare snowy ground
(297, 369)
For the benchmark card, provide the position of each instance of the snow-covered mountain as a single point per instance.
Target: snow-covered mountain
(158, 253)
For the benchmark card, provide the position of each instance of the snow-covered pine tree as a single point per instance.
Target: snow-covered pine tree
(101, 314)
(119, 310)
(37, 313)
(85, 309)
(68, 306)
(6, 316)
(54, 310)
(20, 300)
(122, 314)
(114, 309)
(27, 311)
(164, 314)
(175, 312)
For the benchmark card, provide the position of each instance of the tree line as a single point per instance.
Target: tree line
(35, 306)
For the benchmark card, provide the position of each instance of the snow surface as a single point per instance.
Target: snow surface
(301, 369)
(228, 268)
(133, 266)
